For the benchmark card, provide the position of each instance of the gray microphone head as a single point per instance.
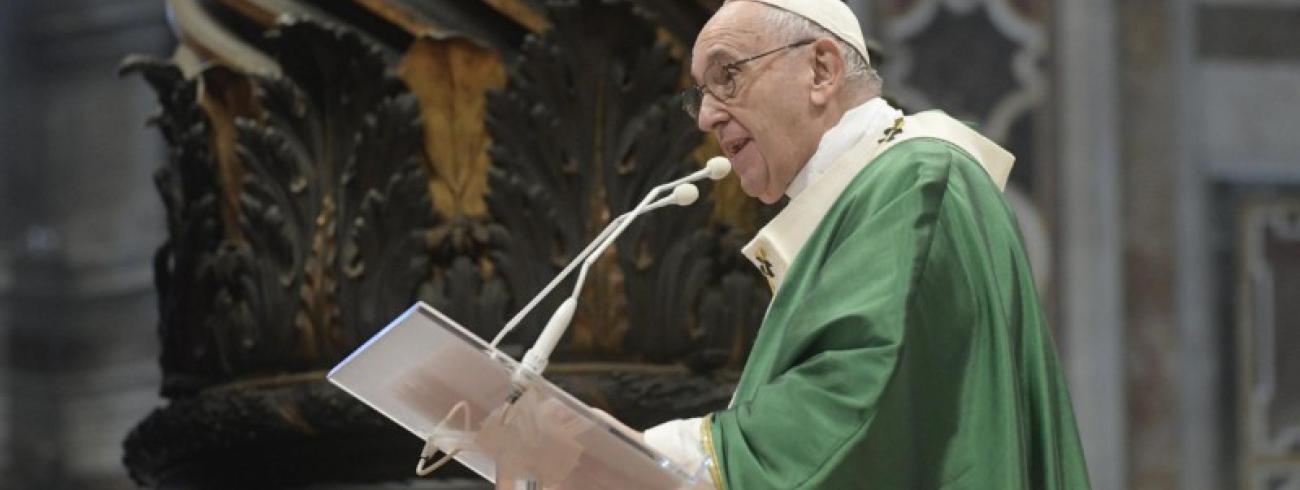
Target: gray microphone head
(718, 167)
(685, 194)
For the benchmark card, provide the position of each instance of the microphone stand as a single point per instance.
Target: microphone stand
(536, 359)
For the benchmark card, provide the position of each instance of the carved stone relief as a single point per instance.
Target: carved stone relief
(1269, 337)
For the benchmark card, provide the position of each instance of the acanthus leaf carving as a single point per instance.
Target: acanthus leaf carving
(337, 176)
(587, 126)
(184, 265)
(333, 218)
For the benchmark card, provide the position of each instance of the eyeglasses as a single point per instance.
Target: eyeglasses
(720, 81)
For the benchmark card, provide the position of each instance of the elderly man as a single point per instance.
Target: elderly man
(904, 346)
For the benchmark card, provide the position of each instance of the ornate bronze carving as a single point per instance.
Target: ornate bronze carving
(308, 209)
(334, 222)
(586, 128)
(332, 216)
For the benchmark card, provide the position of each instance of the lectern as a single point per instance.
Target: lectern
(449, 388)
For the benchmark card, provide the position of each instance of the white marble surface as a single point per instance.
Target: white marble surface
(1251, 123)
(1091, 249)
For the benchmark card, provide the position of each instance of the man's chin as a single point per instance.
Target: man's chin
(762, 195)
(769, 199)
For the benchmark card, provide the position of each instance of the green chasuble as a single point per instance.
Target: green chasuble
(905, 347)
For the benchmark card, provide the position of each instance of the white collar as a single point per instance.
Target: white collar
(873, 116)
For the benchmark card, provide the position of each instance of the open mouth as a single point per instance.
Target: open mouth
(736, 146)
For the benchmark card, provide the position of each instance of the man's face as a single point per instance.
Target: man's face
(761, 128)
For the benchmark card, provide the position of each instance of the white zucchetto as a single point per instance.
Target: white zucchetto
(832, 15)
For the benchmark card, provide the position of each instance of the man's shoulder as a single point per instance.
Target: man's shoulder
(930, 166)
(908, 162)
(938, 133)
(924, 150)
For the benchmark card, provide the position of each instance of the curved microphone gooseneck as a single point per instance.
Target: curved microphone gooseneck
(535, 360)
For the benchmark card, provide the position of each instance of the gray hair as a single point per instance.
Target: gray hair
(791, 27)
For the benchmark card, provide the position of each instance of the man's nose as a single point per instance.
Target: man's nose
(712, 113)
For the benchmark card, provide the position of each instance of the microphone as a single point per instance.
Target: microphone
(718, 167)
(683, 195)
(535, 360)
(537, 357)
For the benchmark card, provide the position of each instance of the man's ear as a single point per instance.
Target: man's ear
(828, 71)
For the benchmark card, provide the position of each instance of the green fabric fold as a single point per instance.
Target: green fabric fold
(906, 347)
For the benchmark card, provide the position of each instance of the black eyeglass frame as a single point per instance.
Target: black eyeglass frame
(693, 98)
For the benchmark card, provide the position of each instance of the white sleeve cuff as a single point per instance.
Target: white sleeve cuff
(679, 440)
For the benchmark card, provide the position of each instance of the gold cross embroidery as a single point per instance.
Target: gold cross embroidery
(893, 131)
(766, 265)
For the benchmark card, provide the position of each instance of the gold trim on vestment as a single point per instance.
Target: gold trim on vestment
(706, 437)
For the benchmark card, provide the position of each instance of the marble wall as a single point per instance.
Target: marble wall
(1244, 76)
(1170, 147)
(1208, 169)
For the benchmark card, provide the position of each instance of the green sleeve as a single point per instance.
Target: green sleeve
(841, 324)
